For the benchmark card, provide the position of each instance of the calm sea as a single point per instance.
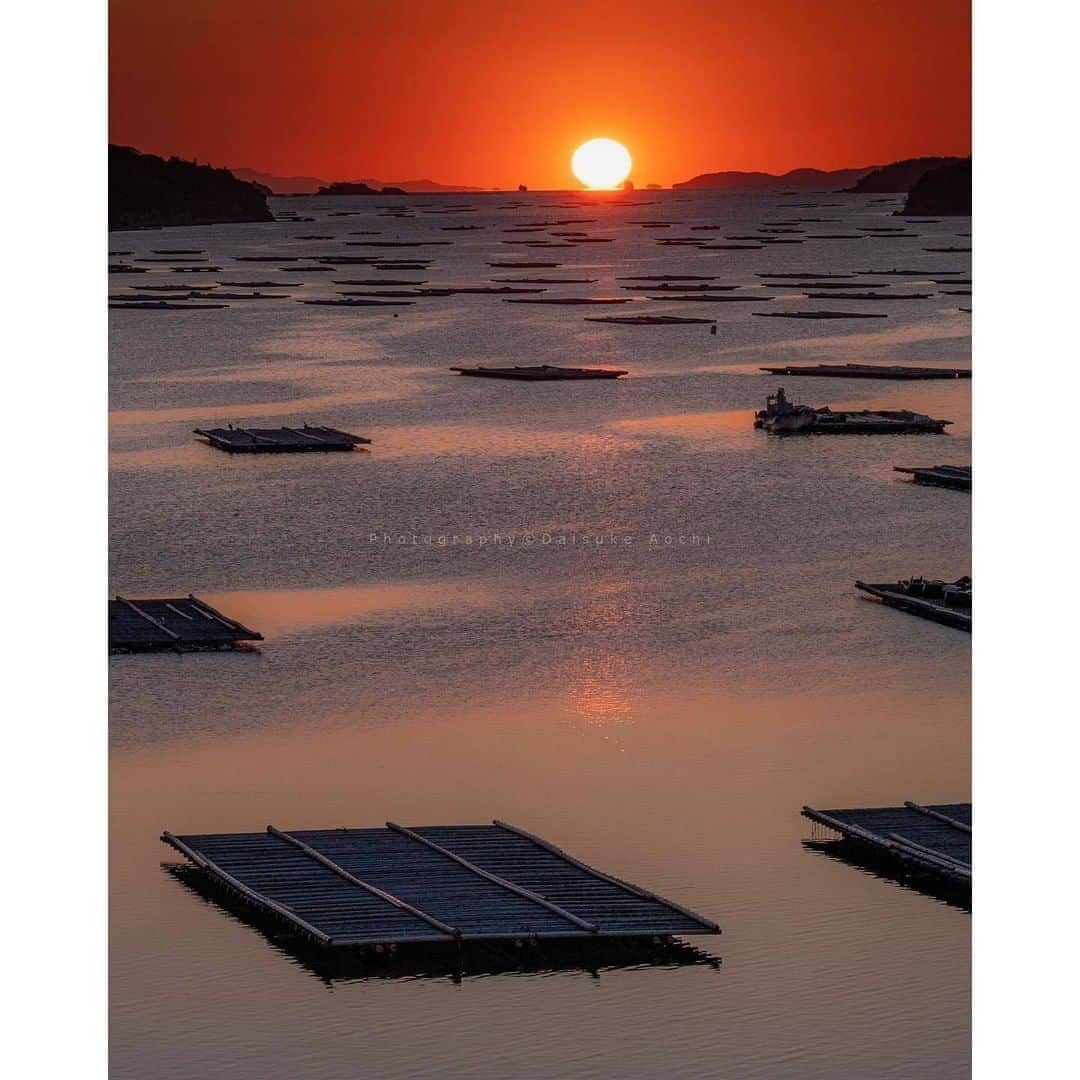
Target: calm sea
(611, 613)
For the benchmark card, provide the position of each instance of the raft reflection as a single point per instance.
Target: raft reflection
(454, 962)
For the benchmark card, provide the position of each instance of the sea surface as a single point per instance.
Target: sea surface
(610, 612)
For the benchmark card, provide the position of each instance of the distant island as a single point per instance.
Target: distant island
(942, 191)
(281, 185)
(310, 185)
(763, 181)
(357, 187)
(900, 175)
(146, 190)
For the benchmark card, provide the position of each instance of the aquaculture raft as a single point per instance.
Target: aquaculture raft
(957, 477)
(235, 440)
(871, 371)
(935, 840)
(178, 623)
(783, 417)
(942, 601)
(540, 373)
(455, 883)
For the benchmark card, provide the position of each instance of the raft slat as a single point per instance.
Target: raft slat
(938, 815)
(582, 924)
(318, 856)
(204, 863)
(618, 882)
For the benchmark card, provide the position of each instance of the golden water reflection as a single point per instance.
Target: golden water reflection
(598, 690)
(279, 611)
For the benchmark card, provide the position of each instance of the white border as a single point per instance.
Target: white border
(1027, 297)
(53, 84)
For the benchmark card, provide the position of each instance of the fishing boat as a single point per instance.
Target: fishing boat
(783, 417)
(540, 373)
(947, 602)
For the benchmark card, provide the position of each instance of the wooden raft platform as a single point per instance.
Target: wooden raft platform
(946, 602)
(540, 373)
(957, 477)
(182, 624)
(871, 371)
(432, 884)
(936, 840)
(284, 440)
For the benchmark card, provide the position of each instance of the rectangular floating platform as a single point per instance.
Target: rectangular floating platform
(941, 601)
(161, 305)
(648, 320)
(957, 477)
(935, 840)
(820, 315)
(871, 371)
(234, 440)
(541, 373)
(185, 624)
(453, 883)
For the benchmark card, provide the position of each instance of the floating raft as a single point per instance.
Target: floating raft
(432, 884)
(868, 296)
(648, 320)
(700, 298)
(161, 305)
(942, 601)
(782, 417)
(957, 477)
(541, 373)
(871, 371)
(571, 301)
(283, 440)
(818, 315)
(184, 624)
(359, 303)
(935, 840)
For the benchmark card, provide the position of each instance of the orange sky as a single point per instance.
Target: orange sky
(495, 93)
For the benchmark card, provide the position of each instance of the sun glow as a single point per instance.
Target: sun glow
(601, 163)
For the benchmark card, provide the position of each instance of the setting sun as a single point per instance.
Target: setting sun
(601, 163)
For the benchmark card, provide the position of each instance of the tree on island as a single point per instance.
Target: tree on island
(149, 191)
(942, 191)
